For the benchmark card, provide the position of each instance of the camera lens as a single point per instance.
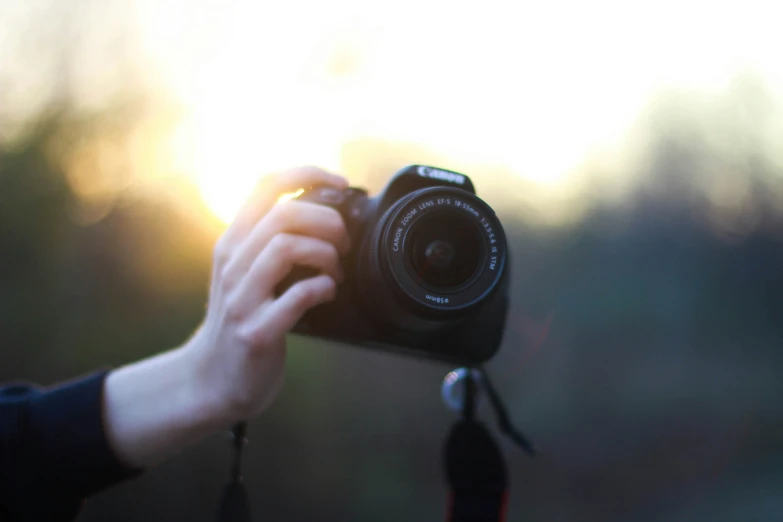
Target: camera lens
(445, 251)
(436, 252)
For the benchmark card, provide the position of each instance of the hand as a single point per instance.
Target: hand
(232, 367)
(239, 351)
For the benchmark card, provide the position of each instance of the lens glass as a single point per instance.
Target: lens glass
(445, 250)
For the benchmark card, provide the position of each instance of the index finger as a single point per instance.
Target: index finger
(270, 188)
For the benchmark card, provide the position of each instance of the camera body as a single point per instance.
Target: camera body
(427, 274)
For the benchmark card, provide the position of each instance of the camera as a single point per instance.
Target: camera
(427, 274)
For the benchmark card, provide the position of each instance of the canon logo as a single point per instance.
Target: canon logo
(451, 177)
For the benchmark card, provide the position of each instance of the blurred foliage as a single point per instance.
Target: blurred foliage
(642, 352)
(68, 289)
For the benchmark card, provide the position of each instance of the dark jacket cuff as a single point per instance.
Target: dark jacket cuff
(67, 426)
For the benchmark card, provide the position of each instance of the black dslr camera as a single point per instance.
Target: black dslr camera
(427, 274)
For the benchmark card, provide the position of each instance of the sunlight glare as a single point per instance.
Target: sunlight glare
(289, 196)
(519, 87)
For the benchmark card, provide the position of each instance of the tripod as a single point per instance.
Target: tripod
(475, 469)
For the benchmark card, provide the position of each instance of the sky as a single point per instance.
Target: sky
(533, 88)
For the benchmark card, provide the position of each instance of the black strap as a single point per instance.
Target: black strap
(502, 417)
(234, 505)
(477, 475)
(475, 468)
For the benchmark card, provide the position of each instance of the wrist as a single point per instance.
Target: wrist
(156, 407)
(230, 383)
(209, 404)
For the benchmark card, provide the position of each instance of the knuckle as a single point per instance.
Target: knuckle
(310, 294)
(221, 253)
(226, 274)
(303, 295)
(246, 335)
(235, 312)
(282, 245)
(252, 335)
(282, 212)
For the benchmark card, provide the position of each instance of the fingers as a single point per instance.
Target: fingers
(270, 188)
(293, 217)
(281, 255)
(283, 314)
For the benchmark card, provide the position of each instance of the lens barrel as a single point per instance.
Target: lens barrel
(440, 250)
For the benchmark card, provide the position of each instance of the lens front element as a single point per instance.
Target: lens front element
(445, 250)
(441, 248)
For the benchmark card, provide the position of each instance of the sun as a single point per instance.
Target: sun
(510, 94)
(240, 138)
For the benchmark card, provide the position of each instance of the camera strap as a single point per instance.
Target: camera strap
(234, 505)
(476, 474)
(475, 468)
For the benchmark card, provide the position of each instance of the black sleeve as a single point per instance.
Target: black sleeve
(53, 450)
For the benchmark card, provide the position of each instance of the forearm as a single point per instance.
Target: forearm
(156, 407)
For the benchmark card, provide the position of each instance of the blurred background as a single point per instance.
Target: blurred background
(634, 152)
